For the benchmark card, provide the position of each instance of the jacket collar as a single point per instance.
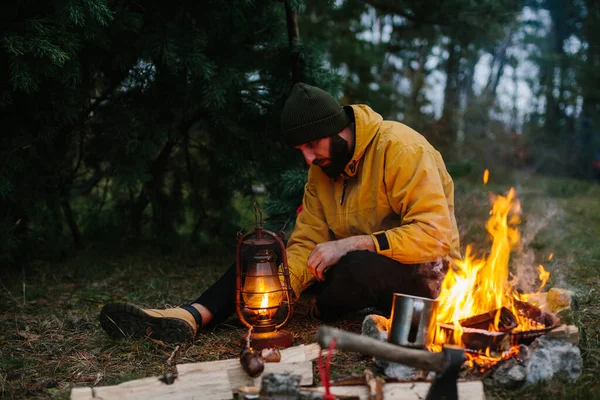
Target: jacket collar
(367, 124)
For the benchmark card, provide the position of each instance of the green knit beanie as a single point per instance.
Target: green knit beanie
(311, 113)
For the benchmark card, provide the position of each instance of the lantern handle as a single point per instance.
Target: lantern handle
(257, 213)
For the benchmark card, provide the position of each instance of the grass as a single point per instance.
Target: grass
(51, 341)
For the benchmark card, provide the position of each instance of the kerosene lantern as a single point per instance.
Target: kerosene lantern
(260, 295)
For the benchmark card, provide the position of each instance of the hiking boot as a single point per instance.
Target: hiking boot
(173, 325)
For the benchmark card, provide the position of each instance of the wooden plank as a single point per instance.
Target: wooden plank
(294, 354)
(213, 385)
(312, 351)
(471, 390)
(81, 393)
(208, 366)
(237, 376)
(568, 333)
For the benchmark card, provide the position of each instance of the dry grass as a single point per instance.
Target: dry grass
(51, 341)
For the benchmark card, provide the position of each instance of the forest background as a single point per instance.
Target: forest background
(129, 125)
(126, 122)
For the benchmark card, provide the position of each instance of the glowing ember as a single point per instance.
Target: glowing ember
(486, 176)
(478, 286)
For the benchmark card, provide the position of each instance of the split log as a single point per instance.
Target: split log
(212, 385)
(304, 370)
(472, 390)
(299, 353)
(568, 333)
(375, 385)
(207, 380)
(237, 377)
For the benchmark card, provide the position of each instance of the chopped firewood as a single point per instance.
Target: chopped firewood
(375, 385)
(472, 390)
(536, 314)
(477, 340)
(317, 394)
(245, 392)
(507, 320)
(356, 380)
(568, 333)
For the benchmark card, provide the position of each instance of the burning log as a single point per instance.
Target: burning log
(477, 335)
(533, 313)
(478, 340)
(547, 321)
(507, 320)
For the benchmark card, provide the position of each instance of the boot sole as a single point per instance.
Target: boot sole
(123, 320)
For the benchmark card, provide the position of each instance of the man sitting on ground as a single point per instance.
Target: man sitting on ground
(377, 219)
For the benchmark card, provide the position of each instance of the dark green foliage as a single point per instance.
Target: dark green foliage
(289, 189)
(124, 122)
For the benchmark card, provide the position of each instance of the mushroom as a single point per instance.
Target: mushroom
(252, 362)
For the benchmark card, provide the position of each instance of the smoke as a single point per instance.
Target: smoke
(525, 266)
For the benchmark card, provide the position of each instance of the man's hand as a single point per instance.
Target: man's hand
(324, 255)
(329, 253)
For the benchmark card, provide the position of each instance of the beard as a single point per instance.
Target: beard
(340, 155)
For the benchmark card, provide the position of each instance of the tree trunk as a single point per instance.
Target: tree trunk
(553, 114)
(448, 120)
(157, 170)
(293, 35)
(72, 222)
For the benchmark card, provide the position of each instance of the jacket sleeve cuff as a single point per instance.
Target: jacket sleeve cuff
(382, 243)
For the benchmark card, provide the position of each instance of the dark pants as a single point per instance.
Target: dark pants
(360, 280)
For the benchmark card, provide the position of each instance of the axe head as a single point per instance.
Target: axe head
(444, 386)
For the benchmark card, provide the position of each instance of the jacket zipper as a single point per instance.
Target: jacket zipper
(344, 191)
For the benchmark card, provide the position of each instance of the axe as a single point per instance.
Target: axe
(446, 364)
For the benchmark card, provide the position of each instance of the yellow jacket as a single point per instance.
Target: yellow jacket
(395, 188)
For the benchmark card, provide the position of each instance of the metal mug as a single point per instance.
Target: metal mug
(413, 320)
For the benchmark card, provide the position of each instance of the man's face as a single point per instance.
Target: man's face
(330, 153)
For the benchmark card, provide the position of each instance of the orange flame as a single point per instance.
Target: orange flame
(486, 176)
(544, 276)
(476, 286)
(551, 256)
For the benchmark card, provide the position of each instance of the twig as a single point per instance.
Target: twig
(248, 337)
(171, 358)
(10, 294)
(24, 286)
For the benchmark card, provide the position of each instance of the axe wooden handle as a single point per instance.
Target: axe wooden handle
(420, 359)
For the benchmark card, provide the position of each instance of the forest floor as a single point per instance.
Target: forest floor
(51, 340)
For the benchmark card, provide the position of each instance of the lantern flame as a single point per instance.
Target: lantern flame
(264, 303)
(475, 286)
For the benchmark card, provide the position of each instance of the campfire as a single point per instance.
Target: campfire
(480, 308)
